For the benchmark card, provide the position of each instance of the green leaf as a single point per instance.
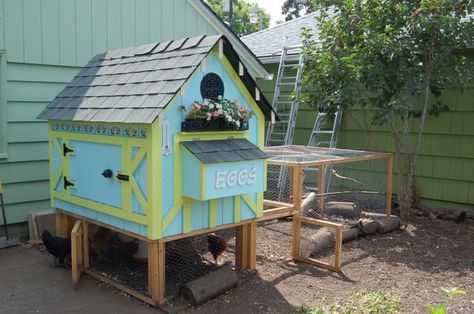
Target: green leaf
(453, 291)
(441, 309)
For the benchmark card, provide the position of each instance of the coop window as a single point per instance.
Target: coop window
(3, 109)
(211, 86)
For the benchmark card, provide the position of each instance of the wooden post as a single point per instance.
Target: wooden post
(59, 224)
(295, 247)
(388, 199)
(252, 245)
(85, 245)
(156, 271)
(76, 252)
(338, 258)
(246, 246)
(297, 174)
(321, 185)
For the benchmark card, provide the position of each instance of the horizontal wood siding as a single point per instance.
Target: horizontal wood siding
(46, 42)
(445, 169)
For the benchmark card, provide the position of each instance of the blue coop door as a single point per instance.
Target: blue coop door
(88, 170)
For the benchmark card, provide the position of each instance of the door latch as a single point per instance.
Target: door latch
(67, 183)
(123, 177)
(67, 150)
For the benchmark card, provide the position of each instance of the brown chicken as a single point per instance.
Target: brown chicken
(217, 245)
(101, 241)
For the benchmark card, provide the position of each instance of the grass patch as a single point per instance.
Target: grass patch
(360, 303)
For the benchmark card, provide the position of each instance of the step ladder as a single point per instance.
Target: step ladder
(286, 99)
(285, 103)
(324, 134)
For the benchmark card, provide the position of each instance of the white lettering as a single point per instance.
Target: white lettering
(220, 179)
(252, 176)
(232, 178)
(241, 177)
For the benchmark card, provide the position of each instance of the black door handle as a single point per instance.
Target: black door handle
(66, 149)
(107, 173)
(123, 177)
(67, 183)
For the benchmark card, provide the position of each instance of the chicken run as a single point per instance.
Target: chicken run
(159, 179)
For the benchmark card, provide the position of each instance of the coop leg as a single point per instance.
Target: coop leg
(156, 271)
(246, 243)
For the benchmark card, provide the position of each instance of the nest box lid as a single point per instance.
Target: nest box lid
(229, 150)
(134, 85)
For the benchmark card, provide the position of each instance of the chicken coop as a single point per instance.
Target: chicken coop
(154, 147)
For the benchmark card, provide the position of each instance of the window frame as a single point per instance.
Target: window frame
(3, 106)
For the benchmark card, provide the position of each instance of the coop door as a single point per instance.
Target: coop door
(76, 252)
(93, 169)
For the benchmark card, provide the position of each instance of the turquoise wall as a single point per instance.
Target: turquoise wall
(174, 115)
(46, 42)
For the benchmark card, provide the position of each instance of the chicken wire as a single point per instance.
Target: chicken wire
(278, 183)
(348, 191)
(318, 243)
(124, 259)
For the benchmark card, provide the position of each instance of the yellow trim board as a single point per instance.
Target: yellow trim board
(251, 203)
(106, 209)
(212, 213)
(236, 208)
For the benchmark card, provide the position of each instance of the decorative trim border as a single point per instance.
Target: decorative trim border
(100, 129)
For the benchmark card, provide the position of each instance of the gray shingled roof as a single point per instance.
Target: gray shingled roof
(267, 43)
(130, 85)
(230, 150)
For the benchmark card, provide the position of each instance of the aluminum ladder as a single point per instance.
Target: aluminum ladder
(286, 99)
(285, 103)
(324, 134)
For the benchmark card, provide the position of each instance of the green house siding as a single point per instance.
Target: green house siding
(445, 169)
(46, 42)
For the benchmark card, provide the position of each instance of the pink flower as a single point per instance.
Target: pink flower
(236, 101)
(209, 116)
(216, 114)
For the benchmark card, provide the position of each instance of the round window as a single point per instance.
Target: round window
(211, 86)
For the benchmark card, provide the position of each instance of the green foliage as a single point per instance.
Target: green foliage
(453, 291)
(361, 303)
(441, 309)
(293, 8)
(240, 16)
(394, 56)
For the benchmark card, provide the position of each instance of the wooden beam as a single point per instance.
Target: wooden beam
(295, 247)
(388, 199)
(76, 252)
(316, 263)
(156, 271)
(319, 222)
(271, 203)
(321, 186)
(241, 251)
(252, 245)
(120, 286)
(338, 257)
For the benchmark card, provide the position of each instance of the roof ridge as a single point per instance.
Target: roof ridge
(280, 25)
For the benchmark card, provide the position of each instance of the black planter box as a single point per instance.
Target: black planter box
(190, 125)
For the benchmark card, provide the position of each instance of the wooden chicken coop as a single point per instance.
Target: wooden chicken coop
(127, 154)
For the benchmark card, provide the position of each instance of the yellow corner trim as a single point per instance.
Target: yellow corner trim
(212, 213)
(251, 203)
(236, 208)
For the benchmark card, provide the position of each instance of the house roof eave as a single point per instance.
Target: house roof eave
(247, 55)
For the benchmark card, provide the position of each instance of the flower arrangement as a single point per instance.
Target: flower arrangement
(219, 113)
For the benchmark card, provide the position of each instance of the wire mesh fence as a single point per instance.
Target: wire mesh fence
(345, 192)
(124, 259)
(279, 183)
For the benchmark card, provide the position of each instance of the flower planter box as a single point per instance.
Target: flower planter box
(199, 125)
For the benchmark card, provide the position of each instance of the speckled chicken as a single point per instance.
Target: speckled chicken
(217, 245)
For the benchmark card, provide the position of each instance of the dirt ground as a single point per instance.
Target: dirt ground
(412, 265)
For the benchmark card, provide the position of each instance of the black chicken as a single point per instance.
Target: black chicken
(56, 246)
